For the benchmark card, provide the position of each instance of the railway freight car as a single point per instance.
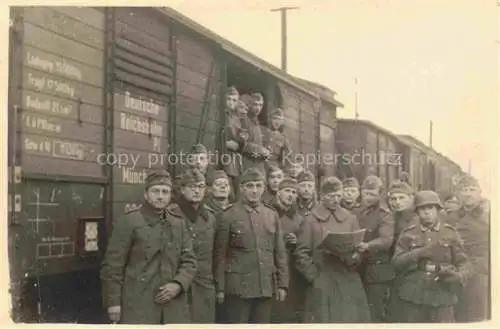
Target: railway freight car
(96, 97)
(363, 148)
(430, 169)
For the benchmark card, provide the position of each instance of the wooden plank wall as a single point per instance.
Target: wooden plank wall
(327, 138)
(143, 71)
(300, 122)
(195, 67)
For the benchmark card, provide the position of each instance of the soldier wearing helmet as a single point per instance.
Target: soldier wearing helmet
(432, 264)
(376, 271)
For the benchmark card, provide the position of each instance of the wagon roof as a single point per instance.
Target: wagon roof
(304, 85)
(412, 141)
(371, 124)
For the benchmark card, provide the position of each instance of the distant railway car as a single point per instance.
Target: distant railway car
(363, 148)
(428, 168)
(96, 97)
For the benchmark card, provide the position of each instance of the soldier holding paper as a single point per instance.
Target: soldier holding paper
(335, 293)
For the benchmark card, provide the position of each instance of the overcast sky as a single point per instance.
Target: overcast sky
(416, 61)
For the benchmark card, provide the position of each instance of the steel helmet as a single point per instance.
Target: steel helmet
(426, 198)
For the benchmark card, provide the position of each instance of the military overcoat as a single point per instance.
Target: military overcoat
(335, 293)
(201, 227)
(146, 251)
(475, 300)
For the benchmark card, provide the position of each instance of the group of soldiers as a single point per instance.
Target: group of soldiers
(243, 244)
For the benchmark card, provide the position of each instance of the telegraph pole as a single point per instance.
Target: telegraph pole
(283, 11)
(430, 134)
(356, 113)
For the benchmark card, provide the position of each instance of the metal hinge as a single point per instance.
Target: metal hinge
(17, 174)
(17, 203)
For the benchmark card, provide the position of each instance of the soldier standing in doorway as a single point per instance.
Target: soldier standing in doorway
(473, 224)
(201, 226)
(253, 150)
(250, 255)
(306, 199)
(376, 269)
(350, 200)
(433, 265)
(290, 310)
(236, 133)
(149, 262)
(274, 177)
(275, 140)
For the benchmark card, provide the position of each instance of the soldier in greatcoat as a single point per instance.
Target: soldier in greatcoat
(335, 292)
(306, 199)
(217, 203)
(350, 199)
(290, 310)
(251, 262)
(401, 200)
(472, 222)
(433, 265)
(201, 226)
(274, 177)
(149, 262)
(376, 268)
(275, 140)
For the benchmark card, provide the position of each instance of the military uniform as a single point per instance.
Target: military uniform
(424, 298)
(473, 226)
(145, 252)
(252, 144)
(430, 281)
(335, 292)
(236, 130)
(304, 206)
(355, 208)
(290, 310)
(376, 270)
(217, 208)
(268, 197)
(250, 261)
(276, 142)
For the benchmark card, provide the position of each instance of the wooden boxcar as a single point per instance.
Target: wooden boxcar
(96, 97)
(363, 148)
(430, 169)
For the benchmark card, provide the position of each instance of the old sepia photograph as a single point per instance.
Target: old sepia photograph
(233, 162)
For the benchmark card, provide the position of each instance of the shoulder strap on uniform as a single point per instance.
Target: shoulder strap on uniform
(450, 226)
(411, 227)
(133, 209)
